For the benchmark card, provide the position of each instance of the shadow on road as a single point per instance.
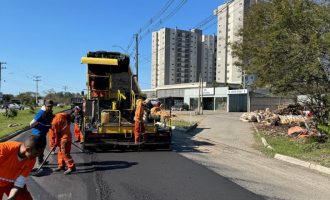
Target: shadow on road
(184, 141)
(88, 167)
(102, 166)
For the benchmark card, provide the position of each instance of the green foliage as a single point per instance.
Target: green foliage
(286, 44)
(10, 113)
(309, 150)
(180, 123)
(22, 118)
(61, 97)
(27, 98)
(7, 97)
(325, 129)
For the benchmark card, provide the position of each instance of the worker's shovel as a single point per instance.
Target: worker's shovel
(38, 171)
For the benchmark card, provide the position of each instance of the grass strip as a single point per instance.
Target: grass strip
(307, 149)
(22, 120)
(181, 123)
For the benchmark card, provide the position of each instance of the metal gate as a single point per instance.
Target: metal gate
(237, 103)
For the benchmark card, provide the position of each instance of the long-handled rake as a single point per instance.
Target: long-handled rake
(37, 171)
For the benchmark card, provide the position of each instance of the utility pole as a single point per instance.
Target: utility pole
(36, 79)
(65, 88)
(199, 96)
(202, 96)
(137, 56)
(1, 68)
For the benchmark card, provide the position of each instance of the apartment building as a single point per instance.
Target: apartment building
(178, 56)
(230, 20)
(208, 59)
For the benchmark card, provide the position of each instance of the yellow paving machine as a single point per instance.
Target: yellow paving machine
(109, 105)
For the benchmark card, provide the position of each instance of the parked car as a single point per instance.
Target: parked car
(15, 106)
(61, 105)
(5, 105)
(180, 107)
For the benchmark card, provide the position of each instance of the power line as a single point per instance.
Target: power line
(204, 21)
(155, 17)
(162, 20)
(151, 21)
(209, 26)
(130, 44)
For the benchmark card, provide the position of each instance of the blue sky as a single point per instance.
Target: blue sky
(47, 38)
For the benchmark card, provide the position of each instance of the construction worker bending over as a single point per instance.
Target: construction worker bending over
(62, 138)
(16, 162)
(139, 128)
(41, 124)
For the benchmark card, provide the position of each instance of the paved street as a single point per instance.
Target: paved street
(225, 144)
(218, 160)
(143, 175)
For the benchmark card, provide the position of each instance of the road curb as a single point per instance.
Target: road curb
(11, 135)
(292, 160)
(302, 163)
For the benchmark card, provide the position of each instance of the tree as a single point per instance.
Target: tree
(7, 97)
(286, 44)
(26, 98)
(60, 97)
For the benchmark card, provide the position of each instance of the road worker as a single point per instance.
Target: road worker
(41, 123)
(62, 138)
(159, 112)
(16, 162)
(96, 92)
(139, 128)
(76, 118)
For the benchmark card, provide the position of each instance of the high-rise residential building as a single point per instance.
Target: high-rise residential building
(177, 56)
(208, 59)
(230, 21)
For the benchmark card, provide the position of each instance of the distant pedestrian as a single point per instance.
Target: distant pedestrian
(16, 162)
(41, 123)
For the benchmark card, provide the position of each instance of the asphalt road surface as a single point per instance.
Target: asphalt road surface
(143, 175)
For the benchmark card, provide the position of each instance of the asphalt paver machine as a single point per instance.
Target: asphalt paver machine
(109, 105)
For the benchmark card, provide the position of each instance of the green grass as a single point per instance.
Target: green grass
(304, 149)
(181, 123)
(23, 118)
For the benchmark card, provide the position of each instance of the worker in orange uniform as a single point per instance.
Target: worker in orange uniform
(62, 138)
(96, 93)
(139, 128)
(76, 120)
(16, 162)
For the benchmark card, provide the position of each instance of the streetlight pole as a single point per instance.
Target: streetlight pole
(1, 68)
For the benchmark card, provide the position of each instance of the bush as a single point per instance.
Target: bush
(324, 129)
(10, 113)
